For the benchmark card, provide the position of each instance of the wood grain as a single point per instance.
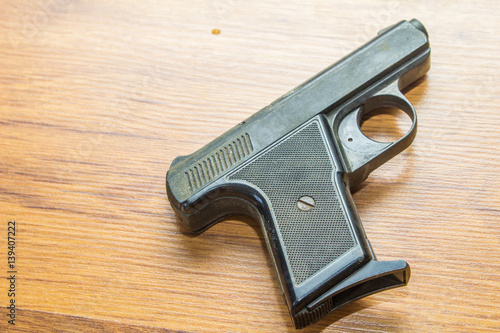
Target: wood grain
(98, 97)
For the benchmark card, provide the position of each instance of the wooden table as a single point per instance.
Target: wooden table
(98, 97)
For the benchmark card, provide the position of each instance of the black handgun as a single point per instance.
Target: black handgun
(292, 165)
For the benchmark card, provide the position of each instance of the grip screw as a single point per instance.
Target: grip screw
(305, 203)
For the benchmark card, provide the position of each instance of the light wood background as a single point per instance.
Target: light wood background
(98, 97)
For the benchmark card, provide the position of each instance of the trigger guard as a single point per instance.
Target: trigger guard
(361, 154)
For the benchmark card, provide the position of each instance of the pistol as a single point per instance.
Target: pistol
(292, 165)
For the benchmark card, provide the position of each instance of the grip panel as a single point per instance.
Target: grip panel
(299, 166)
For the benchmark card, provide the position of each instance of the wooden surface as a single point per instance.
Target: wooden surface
(98, 97)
